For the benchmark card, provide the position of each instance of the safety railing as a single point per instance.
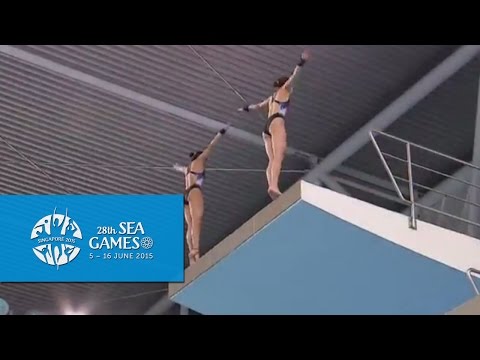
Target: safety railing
(412, 186)
(473, 273)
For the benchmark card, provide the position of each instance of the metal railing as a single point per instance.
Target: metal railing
(411, 199)
(473, 273)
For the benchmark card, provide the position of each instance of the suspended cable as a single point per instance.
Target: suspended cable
(211, 67)
(34, 165)
(133, 296)
(145, 166)
(258, 170)
(217, 73)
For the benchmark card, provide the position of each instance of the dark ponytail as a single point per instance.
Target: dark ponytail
(280, 82)
(195, 155)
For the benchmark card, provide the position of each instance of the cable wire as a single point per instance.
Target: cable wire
(145, 166)
(211, 67)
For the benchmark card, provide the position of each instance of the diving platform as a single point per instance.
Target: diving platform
(315, 251)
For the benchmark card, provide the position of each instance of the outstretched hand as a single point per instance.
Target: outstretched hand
(179, 167)
(224, 130)
(245, 108)
(306, 55)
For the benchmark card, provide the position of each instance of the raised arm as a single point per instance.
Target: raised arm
(260, 105)
(207, 151)
(291, 80)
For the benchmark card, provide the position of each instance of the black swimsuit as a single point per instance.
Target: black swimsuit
(197, 185)
(282, 112)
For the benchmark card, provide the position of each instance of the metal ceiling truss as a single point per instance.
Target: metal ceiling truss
(396, 109)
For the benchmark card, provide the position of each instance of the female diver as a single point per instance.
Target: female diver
(274, 133)
(193, 196)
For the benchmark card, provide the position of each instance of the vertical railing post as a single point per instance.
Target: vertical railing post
(441, 219)
(413, 216)
(470, 273)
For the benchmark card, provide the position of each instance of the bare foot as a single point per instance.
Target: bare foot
(274, 193)
(193, 256)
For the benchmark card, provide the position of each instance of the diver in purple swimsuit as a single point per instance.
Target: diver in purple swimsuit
(193, 196)
(274, 133)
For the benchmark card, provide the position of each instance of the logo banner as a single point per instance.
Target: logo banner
(92, 238)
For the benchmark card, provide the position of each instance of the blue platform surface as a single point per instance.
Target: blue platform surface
(308, 261)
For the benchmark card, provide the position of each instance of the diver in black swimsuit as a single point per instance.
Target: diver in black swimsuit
(274, 133)
(193, 195)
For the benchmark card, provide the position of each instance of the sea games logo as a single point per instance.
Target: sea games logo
(56, 237)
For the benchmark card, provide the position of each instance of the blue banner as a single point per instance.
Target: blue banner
(92, 238)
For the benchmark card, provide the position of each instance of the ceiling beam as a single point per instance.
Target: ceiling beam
(368, 179)
(396, 109)
(370, 190)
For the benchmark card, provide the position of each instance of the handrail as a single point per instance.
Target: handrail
(410, 199)
(473, 272)
(431, 170)
(387, 168)
(426, 149)
(439, 192)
